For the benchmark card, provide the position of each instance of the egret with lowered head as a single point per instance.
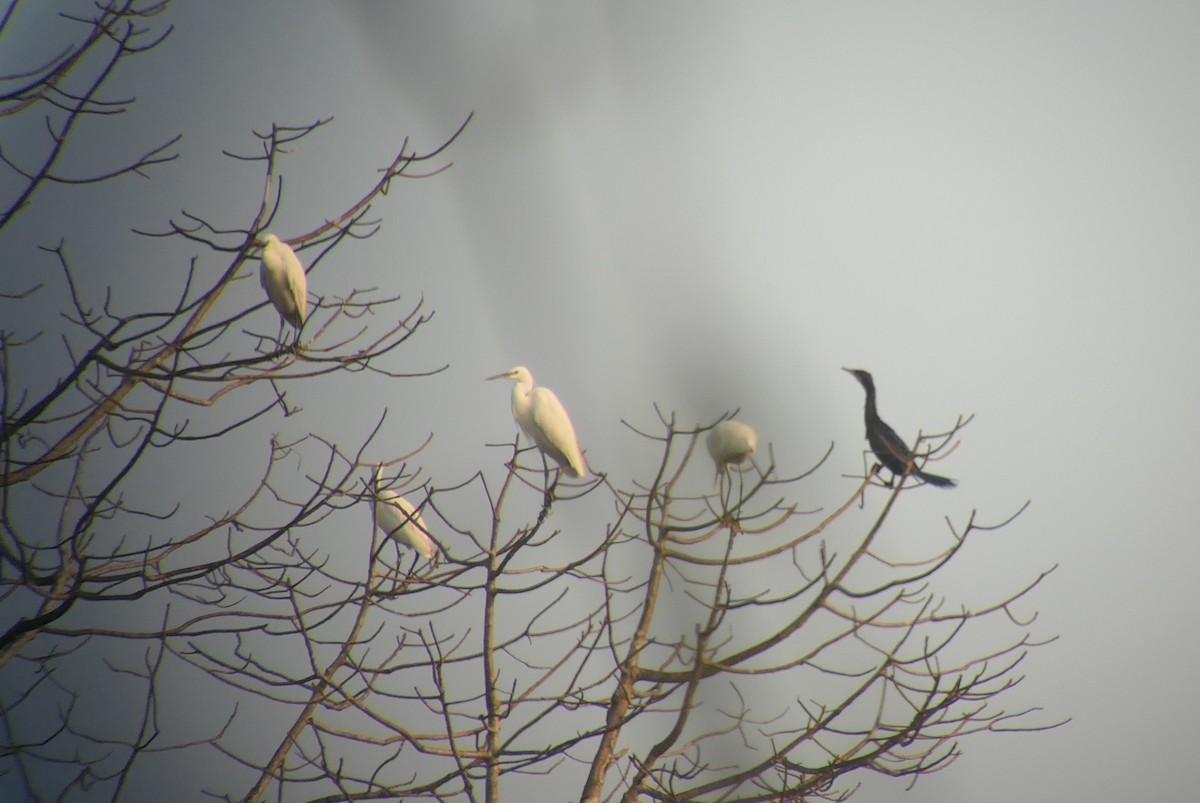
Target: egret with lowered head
(889, 447)
(396, 518)
(731, 443)
(543, 418)
(283, 277)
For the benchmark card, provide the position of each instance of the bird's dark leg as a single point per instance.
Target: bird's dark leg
(724, 488)
(551, 484)
(734, 524)
(399, 563)
(279, 341)
(725, 493)
(874, 470)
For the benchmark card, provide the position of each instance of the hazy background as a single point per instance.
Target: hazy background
(992, 207)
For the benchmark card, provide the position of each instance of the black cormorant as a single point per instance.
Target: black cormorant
(886, 444)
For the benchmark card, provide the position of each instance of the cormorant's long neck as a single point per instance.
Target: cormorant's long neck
(870, 411)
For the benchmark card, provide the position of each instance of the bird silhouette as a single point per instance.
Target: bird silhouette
(889, 447)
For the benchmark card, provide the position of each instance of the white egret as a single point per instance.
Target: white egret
(543, 418)
(282, 276)
(396, 517)
(730, 443)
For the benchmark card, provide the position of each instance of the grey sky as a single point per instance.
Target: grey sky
(992, 207)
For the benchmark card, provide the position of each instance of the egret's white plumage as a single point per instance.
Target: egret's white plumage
(395, 516)
(731, 442)
(282, 276)
(543, 418)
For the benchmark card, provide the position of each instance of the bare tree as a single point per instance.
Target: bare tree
(720, 645)
(650, 638)
(145, 385)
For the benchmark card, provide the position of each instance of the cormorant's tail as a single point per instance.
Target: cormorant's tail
(935, 480)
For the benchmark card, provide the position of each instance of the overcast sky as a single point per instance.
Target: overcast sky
(991, 206)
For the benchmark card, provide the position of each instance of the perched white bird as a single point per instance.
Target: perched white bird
(541, 415)
(731, 442)
(282, 276)
(396, 517)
